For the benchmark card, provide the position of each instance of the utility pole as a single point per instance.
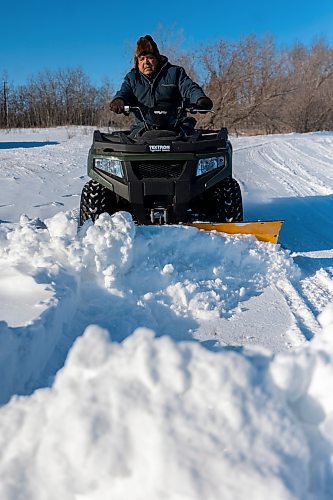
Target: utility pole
(5, 103)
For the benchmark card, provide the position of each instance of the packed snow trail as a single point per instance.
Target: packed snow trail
(286, 177)
(291, 177)
(227, 362)
(121, 277)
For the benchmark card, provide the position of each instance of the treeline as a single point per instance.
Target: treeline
(256, 88)
(62, 97)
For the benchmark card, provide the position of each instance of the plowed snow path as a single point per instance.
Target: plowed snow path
(291, 177)
(205, 409)
(230, 292)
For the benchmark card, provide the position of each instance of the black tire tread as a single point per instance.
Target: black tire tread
(227, 198)
(222, 203)
(95, 200)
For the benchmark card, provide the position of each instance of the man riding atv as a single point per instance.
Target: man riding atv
(164, 171)
(154, 82)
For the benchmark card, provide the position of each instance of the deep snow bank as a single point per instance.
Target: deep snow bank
(152, 418)
(40, 302)
(119, 276)
(305, 379)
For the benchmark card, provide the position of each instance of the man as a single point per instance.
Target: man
(154, 82)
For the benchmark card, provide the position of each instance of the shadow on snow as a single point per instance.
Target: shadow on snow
(308, 220)
(307, 228)
(16, 145)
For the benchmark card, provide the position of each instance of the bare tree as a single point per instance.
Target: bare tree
(311, 74)
(256, 88)
(244, 81)
(4, 101)
(170, 41)
(58, 98)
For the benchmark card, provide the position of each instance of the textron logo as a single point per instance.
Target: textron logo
(159, 147)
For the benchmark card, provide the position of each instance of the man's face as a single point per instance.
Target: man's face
(147, 64)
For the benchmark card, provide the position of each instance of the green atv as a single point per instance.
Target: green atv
(163, 176)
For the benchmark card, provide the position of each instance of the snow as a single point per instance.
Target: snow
(172, 363)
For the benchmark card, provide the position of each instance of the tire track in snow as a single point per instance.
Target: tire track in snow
(270, 167)
(318, 290)
(305, 320)
(305, 174)
(309, 297)
(291, 157)
(317, 284)
(314, 156)
(288, 171)
(289, 164)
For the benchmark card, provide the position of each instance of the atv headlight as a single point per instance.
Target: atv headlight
(110, 165)
(206, 165)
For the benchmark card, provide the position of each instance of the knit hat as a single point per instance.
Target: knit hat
(145, 45)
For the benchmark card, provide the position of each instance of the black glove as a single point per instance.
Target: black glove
(204, 103)
(117, 106)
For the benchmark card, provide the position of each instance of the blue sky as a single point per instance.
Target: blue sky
(100, 37)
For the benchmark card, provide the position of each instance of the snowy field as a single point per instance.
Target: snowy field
(145, 363)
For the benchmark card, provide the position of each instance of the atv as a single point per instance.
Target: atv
(165, 175)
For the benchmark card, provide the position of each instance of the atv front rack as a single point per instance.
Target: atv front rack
(200, 142)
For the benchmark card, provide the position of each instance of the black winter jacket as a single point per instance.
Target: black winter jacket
(170, 85)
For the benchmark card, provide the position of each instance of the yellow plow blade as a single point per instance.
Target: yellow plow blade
(263, 230)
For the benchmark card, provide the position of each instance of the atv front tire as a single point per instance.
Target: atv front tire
(222, 203)
(95, 200)
(227, 205)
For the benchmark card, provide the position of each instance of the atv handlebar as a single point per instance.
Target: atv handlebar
(180, 111)
(192, 110)
(130, 109)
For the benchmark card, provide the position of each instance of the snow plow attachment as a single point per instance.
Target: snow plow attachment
(267, 231)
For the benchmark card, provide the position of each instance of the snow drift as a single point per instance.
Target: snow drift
(152, 417)
(166, 363)
(122, 277)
